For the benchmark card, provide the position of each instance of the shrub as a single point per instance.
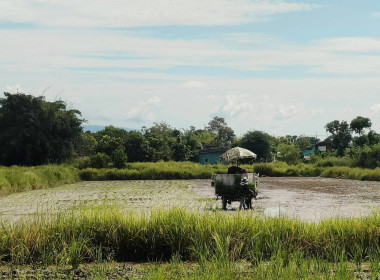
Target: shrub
(16, 179)
(119, 158)
(369, 156)
(100, 160)
(82, 162)
(332, 161)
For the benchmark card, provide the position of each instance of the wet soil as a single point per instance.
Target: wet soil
(310, 199)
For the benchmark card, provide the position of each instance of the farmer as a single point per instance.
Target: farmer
(243, 192)
(236, 170)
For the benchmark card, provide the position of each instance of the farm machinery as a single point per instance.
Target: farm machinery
(237, 184)
(241, 187)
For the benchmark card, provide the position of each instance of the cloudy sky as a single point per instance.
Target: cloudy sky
(283, 67)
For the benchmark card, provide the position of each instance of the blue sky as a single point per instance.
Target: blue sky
(283, 67)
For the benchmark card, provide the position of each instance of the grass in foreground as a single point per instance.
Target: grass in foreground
(99, 234)
(276, 268)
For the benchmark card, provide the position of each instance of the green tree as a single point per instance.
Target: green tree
(204, 137)
(181, 151)
(113, 132)
(288, 153)
(100, 160)
(259, 143)
(137, 147)
(340, 135)
(108, 144)
(304, 141)
(119, 158)
(361, 140)
(34, 131)
(160, 137)
(86, 145)
(373, 137)
(359, 124)
(224, 134)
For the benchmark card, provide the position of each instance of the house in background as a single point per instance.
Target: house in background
(322, 146)
(211, 155)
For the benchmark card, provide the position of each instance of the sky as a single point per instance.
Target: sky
(282, 67)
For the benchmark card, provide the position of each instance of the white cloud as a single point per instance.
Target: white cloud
(143, 111)
(350, 44)
(130, 13)
(54, 51)
(375, 108)
(153, 100)
(193, 84)
(235, 104)
(287, 112)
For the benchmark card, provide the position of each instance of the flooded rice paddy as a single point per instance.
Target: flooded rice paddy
(309, 199)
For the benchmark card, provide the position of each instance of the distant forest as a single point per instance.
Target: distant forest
(35, 131)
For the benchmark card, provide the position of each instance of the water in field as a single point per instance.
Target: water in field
(309, 199)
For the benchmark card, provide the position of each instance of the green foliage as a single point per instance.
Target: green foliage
(154, 171)
(359, 124)
(17, 179)
(330, 161)
(361, 140)
(288, 153)
(34, 131)
(303, 141)
(369, 156)
(341, 135)
(259, 143)
(225, 136)
(119, 158)
(86, 145)
(81, 162)
(373, 138)
(109, 144)
(185, 235)
(100, 160)
(137, 147)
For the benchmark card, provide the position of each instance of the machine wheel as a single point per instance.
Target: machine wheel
(224, 203)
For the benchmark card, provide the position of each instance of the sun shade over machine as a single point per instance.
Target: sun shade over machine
(235, 154)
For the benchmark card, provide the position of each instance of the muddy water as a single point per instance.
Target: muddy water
(310, 199)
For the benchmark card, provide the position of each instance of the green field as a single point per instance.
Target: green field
(101, 229)
(130, 196)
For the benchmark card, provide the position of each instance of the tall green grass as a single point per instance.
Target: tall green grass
(17, 179)
(154, 171)
(108, 234)
(190, 170)
(281, 169)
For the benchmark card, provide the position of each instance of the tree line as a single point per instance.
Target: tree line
(35, 131)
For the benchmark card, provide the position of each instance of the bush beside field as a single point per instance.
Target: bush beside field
(189, 170)
(281, 169)
(154, 171)
(97, 234)
(17, 179)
